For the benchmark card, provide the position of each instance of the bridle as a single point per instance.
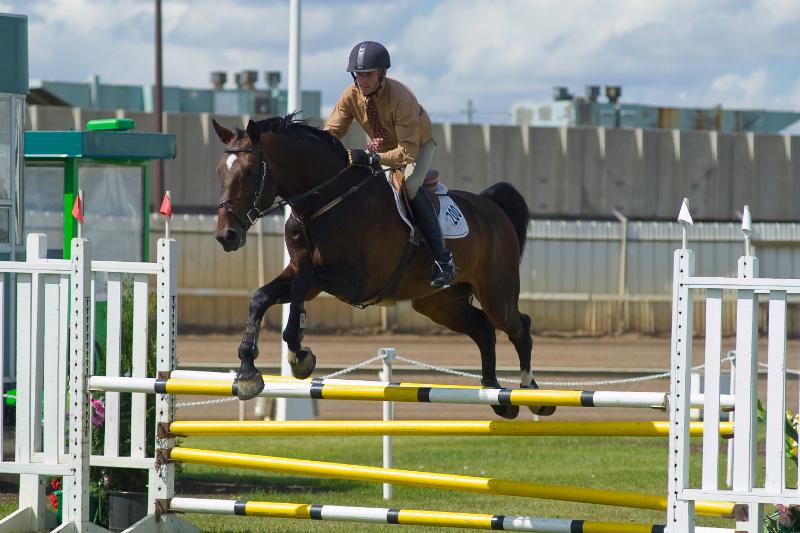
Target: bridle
(254, 213)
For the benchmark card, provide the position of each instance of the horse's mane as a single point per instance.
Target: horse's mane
(293, 123)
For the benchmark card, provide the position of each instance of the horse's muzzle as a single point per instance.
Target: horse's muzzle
(229, 238)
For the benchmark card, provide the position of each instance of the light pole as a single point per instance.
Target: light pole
(158, 164)
(292, 408)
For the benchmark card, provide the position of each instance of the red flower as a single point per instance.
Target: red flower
(54, 501)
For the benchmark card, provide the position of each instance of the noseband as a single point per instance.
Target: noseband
(254, 213)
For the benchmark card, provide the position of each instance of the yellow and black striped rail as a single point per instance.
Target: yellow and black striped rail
(376, 391)
(407, 517)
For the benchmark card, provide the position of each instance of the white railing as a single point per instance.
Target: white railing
(52, 344)
(53, 327)
(748, 289)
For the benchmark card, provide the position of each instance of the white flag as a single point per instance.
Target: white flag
(684, 217)
(747, 222)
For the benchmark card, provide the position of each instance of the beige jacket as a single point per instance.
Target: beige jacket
(405, 122)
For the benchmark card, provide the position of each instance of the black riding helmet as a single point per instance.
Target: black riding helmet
(368, 55)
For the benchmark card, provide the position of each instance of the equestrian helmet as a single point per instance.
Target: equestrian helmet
(368, 55)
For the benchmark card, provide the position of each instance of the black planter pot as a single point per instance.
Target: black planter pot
(125, 509)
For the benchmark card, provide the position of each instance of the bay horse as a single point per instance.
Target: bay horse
(345, 238)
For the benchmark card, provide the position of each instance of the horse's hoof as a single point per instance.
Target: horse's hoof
(249, 384)
(542, 410)
(303, 362)
(506, 411)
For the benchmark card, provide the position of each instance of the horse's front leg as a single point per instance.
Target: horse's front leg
(303, 287)
(248, 380)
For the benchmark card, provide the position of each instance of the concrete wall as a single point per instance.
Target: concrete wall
(562, 172)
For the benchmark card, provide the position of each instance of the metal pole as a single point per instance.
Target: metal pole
(469, 111)
(623, 257)
(291, 409)
(260, 407)
(158, 164)
(388, 415)
(293, 101)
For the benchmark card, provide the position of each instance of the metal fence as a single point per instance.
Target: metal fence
(592, 277)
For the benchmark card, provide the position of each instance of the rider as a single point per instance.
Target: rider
(400, 136)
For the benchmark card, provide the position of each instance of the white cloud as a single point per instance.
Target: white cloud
(666, 52)
(793, 99)
(739, 91)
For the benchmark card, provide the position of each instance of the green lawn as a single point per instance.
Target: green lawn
(630, 464)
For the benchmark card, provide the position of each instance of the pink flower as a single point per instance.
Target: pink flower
(784, 515)
(98, 412)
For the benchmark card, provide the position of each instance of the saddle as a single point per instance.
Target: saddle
(430, 186)
(451, 220)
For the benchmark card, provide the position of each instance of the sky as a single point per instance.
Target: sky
(497, 53)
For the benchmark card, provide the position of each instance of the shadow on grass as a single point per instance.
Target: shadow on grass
(212, 484)
(8, 493)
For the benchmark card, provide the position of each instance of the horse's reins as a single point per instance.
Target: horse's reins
(254, 213)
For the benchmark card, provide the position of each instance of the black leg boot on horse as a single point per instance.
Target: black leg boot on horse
(444, 269)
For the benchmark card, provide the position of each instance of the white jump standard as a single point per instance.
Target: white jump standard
(55, 329)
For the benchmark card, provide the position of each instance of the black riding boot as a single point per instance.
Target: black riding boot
(444, 270)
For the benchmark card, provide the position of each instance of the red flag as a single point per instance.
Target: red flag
(77, 209)
(166, 207)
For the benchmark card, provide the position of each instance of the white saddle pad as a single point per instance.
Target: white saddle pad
(451, 219)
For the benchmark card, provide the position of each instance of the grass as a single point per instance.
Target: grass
(627, 464)
(8, 506)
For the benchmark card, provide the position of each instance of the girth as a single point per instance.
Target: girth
(412, 245)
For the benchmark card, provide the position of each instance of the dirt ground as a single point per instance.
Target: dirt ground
(555, 359)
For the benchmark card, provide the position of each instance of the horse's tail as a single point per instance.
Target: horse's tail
(511, 201)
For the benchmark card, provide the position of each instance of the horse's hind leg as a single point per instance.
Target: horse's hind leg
(523, 344)
(506, 317)
(248, 379)
(451, 308)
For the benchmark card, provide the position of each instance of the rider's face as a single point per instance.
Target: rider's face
(368, 81)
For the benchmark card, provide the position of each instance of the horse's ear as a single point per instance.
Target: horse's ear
(225, 135)
(252, 132)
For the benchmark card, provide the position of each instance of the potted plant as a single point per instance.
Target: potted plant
(784, 518)
(122, 492)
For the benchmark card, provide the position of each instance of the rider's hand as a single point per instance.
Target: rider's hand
(359, 157)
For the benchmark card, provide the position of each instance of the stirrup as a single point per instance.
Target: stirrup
(444, 272)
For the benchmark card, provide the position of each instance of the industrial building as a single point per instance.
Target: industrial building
(245, 98)
(587, 110)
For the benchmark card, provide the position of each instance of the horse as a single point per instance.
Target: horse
(345, 238)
